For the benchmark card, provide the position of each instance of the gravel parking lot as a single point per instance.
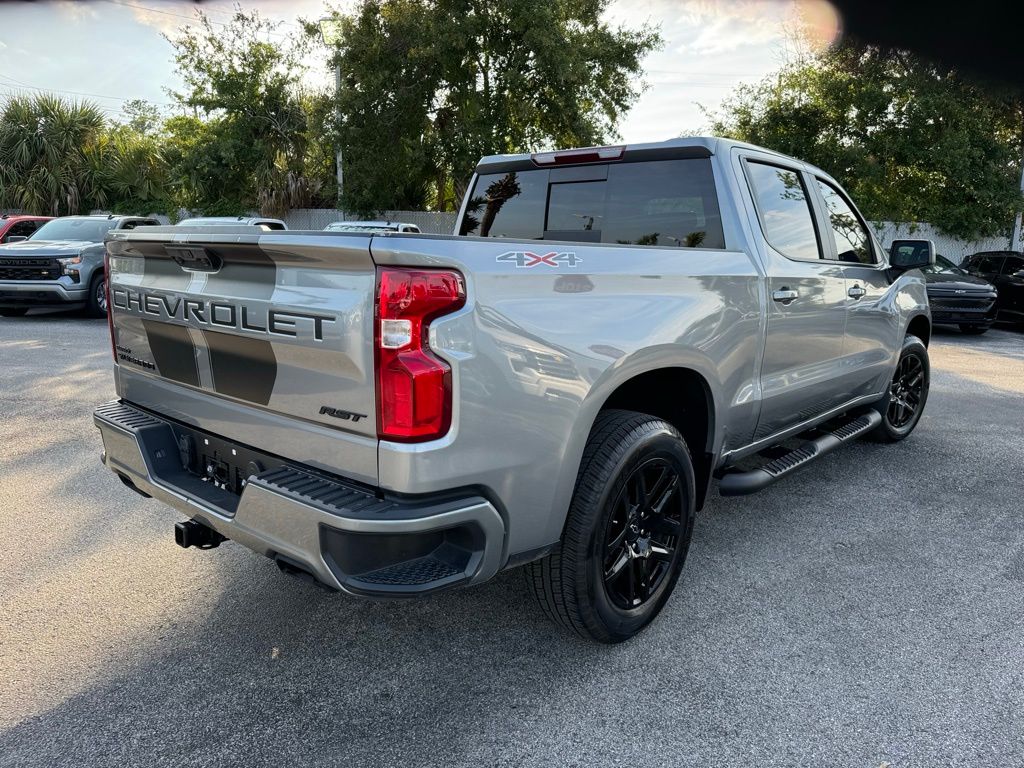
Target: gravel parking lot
(867, 612)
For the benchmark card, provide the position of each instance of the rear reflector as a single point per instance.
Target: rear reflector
(576, 156)
(414, 392)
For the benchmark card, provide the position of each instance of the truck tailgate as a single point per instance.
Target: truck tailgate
(257, 331)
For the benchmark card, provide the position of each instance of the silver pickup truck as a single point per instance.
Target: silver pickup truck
(610, 333)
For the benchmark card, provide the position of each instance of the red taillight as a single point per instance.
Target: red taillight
(110, 307)
(414, 387)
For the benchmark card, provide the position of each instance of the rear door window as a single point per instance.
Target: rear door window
(784, 210)
(665, 202)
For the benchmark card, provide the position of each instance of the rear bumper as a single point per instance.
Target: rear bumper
(348, 537)
(37, 293)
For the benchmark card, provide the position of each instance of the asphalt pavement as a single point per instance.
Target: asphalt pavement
(868, 611)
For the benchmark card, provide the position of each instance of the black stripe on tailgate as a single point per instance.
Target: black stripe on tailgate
(242, 367)
(173, 351)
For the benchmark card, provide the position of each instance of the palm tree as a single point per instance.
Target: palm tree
(45, 148)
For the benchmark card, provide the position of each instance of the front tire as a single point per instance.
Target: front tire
(627, 532)
(902, 405)
(97, 305)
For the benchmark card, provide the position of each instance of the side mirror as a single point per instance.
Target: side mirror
(911, 254)
(15, 239)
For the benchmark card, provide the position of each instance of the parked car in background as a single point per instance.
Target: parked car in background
(60, 265)
(1005, 270)
(14, 229)
(371, 226)
(960, 299)
(234, 221)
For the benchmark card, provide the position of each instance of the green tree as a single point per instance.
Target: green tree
(48, 147)
(245, 139)
(428, 86)
(130, 161)
(141, 117)
(910, 140)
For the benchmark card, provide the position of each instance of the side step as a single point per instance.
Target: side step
(741, 483)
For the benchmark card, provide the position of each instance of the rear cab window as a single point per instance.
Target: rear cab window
(133, 223)
(671, 202)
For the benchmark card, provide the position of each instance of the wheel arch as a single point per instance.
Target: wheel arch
(683, 397)
(920, 326)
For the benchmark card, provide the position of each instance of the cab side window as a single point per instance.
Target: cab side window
(986, 263)
(784, 210)
(850, 235)
(21, 229)
(1012, 265)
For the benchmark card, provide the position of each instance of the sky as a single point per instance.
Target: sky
(109, 51)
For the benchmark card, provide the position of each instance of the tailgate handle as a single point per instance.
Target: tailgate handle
(194, 258)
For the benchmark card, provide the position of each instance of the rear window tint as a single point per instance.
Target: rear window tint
(666, 202)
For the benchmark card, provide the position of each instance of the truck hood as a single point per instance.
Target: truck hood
(944, 282)
(36, 248)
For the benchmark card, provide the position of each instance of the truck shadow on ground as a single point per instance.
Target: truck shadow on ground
(783, 617)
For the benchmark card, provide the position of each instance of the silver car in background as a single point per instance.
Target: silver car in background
(270, 225)
(370, 226)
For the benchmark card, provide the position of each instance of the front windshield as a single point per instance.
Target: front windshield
(943, 265)
(89, 230)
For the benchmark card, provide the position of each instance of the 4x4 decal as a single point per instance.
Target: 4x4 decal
(523, 259)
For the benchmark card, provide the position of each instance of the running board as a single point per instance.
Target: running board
(752, 480)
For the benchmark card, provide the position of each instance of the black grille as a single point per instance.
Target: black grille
(30, 269)
(983, 303)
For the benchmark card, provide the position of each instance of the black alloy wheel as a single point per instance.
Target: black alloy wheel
(642, 533)
(903, 403)
(906, 393)
(626, 533)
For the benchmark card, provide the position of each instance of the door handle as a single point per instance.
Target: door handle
(785, 295)
(856, 292)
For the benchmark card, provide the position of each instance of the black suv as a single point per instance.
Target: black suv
(1005, 270)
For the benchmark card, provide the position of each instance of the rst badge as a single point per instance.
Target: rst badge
(524, 259)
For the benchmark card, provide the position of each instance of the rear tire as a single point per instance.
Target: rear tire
(13, 312)
(902, 405)
(627, 532)
(973, 330)
(97, 304)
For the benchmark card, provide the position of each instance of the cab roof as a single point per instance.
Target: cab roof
(685, 146)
